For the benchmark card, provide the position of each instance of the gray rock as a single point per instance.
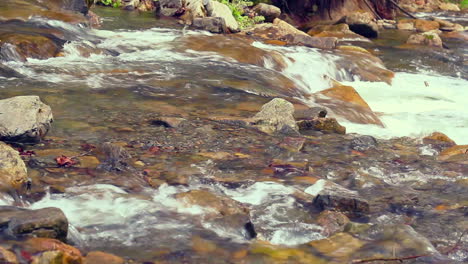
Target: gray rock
(13, 173)
(170, 7)
(76, 5)
(24, 119)
(46, 222)
(222, 10)
(211, 24)
(332, 196)
(275, 116)
(363, 143)
(426, 39)
(270, 12)
(116, 157)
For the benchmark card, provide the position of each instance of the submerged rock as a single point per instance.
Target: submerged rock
(52, 249)
(427, 39)
(275, 116)
(331, 196)
(363, 143)
(332, 222)
(99, 257)
(20, 223)
(13, 173)
(24, 119)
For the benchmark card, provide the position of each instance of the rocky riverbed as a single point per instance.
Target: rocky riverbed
(147, 142)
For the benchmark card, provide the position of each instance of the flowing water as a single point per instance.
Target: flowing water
(110, 77)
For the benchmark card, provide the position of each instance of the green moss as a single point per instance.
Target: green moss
(237, 7)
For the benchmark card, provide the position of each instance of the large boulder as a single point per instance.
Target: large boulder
(276, 116)
(363, 24)
(431, 39)
(270, 12)
(13, 173)
(223, 11)
(21, 223)
(19, 47)
(24, 118)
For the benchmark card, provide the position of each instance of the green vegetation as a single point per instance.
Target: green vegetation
(237, 7)
(113, 3)
(463, 3)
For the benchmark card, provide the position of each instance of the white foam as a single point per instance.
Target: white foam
(316, 188)
(259, 192)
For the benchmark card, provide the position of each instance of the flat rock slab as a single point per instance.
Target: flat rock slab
(24, 119)
(46, 222)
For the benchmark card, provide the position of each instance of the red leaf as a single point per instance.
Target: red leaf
(64, 161)
(23, 152)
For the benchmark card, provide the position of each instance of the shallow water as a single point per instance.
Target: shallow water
(118, 76)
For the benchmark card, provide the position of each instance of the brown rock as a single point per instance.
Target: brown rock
(437, 136)
(220, 205)
(332, 222)
(406, 24)
(449, 7)
(30, 46)
(98, 257)
(13, 173)
(426, 39)
(7, 256)
(345, 94)
(425, 25)
(453, 151)
(329, 125)
(69, 254)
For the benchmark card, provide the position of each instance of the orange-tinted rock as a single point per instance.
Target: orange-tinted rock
(406, 24)
(218, 204)
(345, 94)
(425, 25)
(31, 46)
(36, 245)
(98, 257)
(202, 246)
(437, 136)
(7, 256)
(453, 151)
(329, 125)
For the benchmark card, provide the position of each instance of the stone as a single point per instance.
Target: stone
(98, 257)
(270, 12)
(309, 113)
(7, 256)
(116, 157)
(223, 11)
(199, 8)
(30, 45)
(21, 223)
(453, 151)
(130, 4)
(217, 205)
(346, 94)
(283, 31)
(425, 25)
(211, 24)
(63, 253)
(332, 196)
(170, 7)
(426, 39)
(363, 24)
(168, 121)
(449, 7)
(437, 137)
(24, 119)
(406, 24)
(275, 116)
(146, 6)
(332, 222)
(339, 246)
(328, 125)
(13, 172)
(363, 143)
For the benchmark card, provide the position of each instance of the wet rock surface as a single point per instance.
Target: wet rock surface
(24, 118)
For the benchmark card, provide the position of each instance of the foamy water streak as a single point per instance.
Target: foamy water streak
(416, 104)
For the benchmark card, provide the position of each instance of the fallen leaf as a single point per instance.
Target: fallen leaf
(64, 161)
